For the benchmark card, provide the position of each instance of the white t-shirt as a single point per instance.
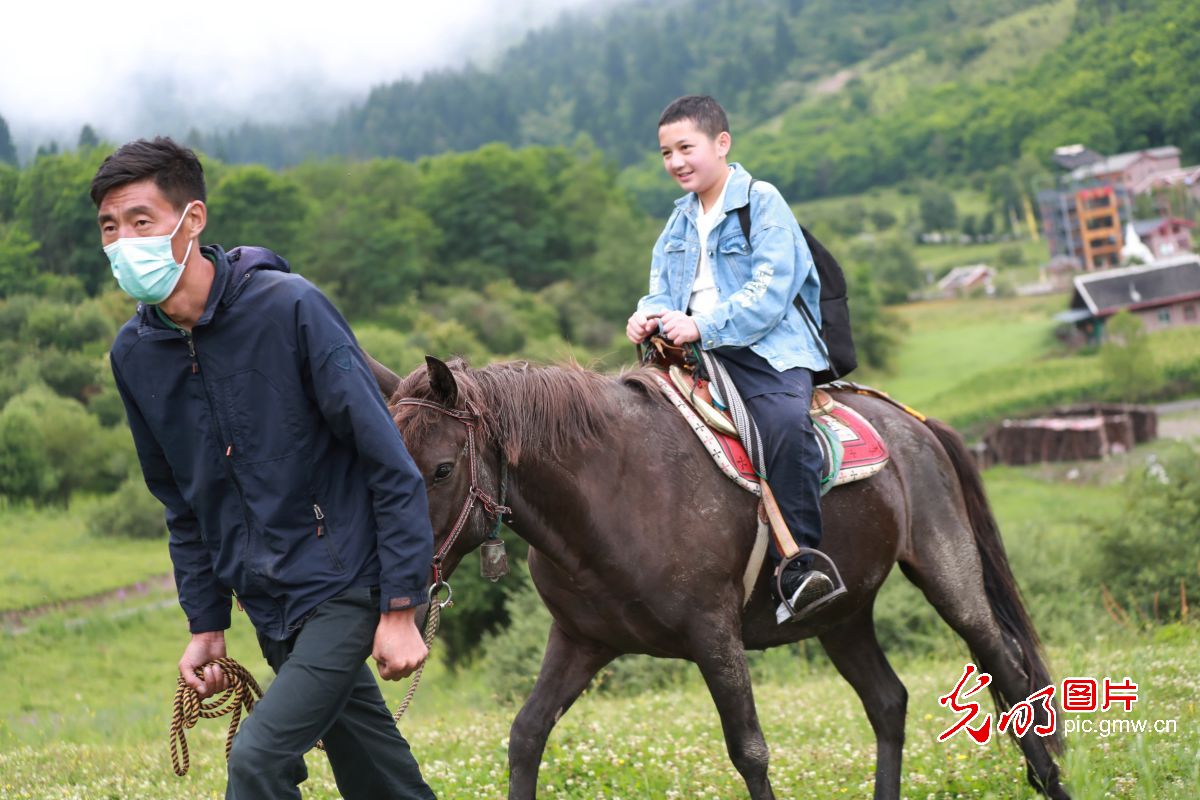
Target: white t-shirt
(704, 289)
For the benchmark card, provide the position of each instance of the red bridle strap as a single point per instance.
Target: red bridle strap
(491, 506)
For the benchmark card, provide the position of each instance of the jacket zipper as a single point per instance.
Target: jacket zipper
(323, 533)
(237, 485)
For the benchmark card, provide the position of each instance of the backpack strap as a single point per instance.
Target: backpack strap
(744, 220)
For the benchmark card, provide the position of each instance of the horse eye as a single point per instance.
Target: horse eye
(442, 471)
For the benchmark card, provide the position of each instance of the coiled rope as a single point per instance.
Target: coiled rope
(244, 691)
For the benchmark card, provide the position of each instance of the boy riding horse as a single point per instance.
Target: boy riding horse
(710, 286)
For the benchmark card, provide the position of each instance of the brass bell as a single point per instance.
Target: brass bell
(493, 561)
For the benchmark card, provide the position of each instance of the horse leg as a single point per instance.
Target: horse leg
(567, 668)
(723, 665)
(856, 653)
(953, 582)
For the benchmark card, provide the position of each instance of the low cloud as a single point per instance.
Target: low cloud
(137, 70)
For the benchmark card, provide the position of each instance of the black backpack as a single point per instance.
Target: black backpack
(833, 337)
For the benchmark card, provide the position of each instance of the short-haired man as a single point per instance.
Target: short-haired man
(259, 426)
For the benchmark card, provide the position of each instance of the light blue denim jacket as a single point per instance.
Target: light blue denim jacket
(756, 283)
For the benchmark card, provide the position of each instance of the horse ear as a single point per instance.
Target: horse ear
(441, 382)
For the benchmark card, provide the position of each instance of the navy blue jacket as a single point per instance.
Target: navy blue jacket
(265, 436)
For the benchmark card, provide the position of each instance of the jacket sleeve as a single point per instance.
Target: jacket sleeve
(350, 402)
(659, 298)
(780, 262)
(204, 600)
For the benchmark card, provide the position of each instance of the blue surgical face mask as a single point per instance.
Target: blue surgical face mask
(145, 267)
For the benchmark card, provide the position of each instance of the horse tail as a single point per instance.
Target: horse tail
(999, 585)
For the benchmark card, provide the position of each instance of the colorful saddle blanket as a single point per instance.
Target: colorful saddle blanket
(851, 447)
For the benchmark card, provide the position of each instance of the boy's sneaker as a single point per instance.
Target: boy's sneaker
(802, 588)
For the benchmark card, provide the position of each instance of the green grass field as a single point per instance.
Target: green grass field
(99, 732)
(949, 341)
(86, 697)
(50, 557)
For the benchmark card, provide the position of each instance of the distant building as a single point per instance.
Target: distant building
(1084, 223)
(1130, 170)
(1163, 294)
(1188, 177)
(962, 281)
(1165, 236)
(1089, 217)
(1074, 156)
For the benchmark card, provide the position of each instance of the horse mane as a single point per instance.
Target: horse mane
(523, 406)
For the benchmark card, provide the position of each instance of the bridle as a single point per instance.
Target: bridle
(475, 494)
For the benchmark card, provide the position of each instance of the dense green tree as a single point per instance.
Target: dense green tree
(938, 211)
(893, 269)
(53, 202)
(882, 219)
(254, 206)
(8, 152)
(19, 263)
(10, 180)
(88, 138)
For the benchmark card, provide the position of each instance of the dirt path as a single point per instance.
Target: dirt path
(1179, 420)
(16, 621)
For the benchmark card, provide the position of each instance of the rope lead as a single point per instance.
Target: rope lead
(244, 691)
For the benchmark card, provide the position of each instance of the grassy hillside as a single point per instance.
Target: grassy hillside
(950, 341)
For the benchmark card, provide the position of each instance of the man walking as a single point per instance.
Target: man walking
(259, 426)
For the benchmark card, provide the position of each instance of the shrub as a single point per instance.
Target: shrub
(25, 469)
(131, 511)
(514, 654)
(63, 444)
(1127, 359)
(1152, 548)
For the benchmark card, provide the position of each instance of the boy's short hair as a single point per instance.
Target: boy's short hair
(175, 169)
(700, 109)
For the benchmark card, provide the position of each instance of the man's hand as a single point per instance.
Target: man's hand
(204, 648)
(399, 648)
(679, 327)
(640, 326)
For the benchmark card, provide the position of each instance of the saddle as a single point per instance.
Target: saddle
(851, 448)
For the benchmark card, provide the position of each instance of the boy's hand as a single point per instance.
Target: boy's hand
(641, 326)
(679, 327)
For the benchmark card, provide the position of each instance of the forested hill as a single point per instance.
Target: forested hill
(838, 95)
(610, 75)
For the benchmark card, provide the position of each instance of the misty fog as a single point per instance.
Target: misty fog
(169, 67)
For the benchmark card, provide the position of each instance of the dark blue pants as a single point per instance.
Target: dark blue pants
(324, 690)
(778, 402)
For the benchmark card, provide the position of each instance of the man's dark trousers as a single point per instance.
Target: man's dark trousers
(323, 689)
(779, 402)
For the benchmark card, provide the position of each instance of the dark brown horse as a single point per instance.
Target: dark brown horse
(638, 544)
